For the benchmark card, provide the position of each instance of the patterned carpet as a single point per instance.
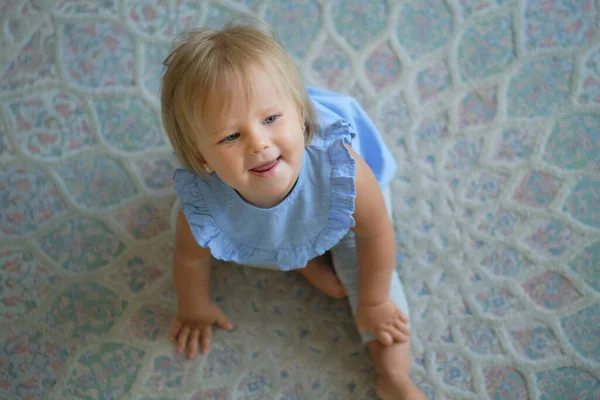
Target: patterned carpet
(492, 109)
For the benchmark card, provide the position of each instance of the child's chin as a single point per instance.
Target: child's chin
(275, 188)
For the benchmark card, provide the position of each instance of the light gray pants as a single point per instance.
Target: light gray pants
(345, 263)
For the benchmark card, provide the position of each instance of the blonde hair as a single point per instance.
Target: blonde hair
(205, 65)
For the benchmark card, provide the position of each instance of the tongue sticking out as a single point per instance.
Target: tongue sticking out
(265, 167)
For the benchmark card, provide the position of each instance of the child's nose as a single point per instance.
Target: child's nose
(259, 140)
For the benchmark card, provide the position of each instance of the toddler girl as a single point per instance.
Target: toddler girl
(279, 174)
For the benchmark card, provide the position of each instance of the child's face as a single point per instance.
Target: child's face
(256, 146)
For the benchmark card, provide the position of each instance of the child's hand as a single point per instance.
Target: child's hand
(190, 329)
(383, 320)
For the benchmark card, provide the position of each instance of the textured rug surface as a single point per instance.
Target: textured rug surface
(492, 109)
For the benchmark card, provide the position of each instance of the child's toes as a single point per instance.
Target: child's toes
(339, 292)
(321, 275)
(331, 287)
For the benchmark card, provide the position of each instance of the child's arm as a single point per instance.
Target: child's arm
(191, 266)
(191, 274)
(376, 251)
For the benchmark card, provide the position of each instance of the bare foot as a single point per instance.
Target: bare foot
(398, 387)
(392, 366)
(320, 273)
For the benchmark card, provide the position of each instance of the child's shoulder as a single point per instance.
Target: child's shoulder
(331, 98)
(341, 116)
(331, 106)
(335, 115)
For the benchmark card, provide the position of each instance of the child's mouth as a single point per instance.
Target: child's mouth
(266, 169)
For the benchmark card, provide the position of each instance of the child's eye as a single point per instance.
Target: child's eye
(231, 137)
(271, 119)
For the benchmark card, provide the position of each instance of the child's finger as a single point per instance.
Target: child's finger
(182, 339)
(401, 326)
(174, 331)
(401, 339)
(398, 336)
(385, 338)
(193, 343)
(206, 332)
(402, 317)
(223, 322)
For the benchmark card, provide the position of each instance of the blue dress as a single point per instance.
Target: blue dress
(314, 218)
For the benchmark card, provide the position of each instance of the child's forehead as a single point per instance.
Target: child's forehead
(254, 87)
(254, 82)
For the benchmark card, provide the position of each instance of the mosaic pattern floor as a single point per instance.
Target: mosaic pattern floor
(492, 109)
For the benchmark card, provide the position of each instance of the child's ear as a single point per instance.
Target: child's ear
(206, 168)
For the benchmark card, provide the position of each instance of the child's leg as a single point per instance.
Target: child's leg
(392, 363)
(319, 271)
